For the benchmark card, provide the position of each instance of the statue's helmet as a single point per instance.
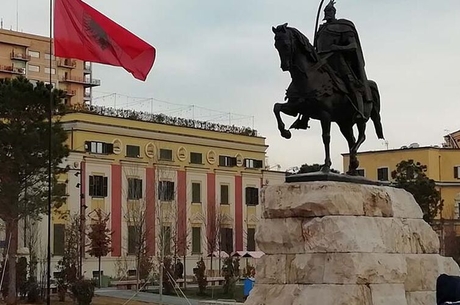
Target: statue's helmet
(329, 10)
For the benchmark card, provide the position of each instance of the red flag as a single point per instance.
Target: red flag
(81, 32)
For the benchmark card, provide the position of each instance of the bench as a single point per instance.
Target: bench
(128, 284)
(180, 282)
(219, 280)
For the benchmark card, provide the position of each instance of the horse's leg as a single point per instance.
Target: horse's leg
(361, 135)
(277, 109)
(347, 131)
(326, 128)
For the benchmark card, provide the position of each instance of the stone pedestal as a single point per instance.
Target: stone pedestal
(335, 243)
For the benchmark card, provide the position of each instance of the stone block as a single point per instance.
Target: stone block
(272, 269)
(423, 271)
(364, 268)
(310, 295)
(421, 298)
(385, 294)
(369, 234)
(273, 294)
(316, 199)
(280, 236)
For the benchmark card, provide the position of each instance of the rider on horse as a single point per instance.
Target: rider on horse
(337, 42)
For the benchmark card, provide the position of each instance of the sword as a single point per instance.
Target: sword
(317, 22)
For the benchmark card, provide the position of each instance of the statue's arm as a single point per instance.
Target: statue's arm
(350, 44)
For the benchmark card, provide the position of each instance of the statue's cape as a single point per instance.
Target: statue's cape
(355, 59)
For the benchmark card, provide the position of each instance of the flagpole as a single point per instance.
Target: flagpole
(50, 126)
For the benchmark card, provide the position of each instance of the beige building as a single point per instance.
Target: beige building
(29, 55)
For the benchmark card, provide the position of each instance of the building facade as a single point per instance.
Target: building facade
(196, 189)
(443, 166)
(29, 55)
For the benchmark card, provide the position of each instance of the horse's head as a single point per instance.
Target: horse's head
(289, 42)
(284, 43)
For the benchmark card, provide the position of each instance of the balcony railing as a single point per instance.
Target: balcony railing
(19, 56)
(12, 70)
(81, 80)
(67, 63)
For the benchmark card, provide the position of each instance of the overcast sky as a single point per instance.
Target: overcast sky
(220, 55)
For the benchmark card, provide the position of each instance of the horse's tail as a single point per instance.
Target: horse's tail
(375, 113)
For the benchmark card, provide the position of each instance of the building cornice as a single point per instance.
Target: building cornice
(117, 131)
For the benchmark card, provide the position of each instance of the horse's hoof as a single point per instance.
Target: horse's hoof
(286, 134)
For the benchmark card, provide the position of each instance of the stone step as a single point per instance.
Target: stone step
(350, 234)
(380, 294)
(418, 272)
(337, 198)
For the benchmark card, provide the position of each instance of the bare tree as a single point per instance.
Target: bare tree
(135, 214)
(213, 237)
(167, 220)
(68, 264)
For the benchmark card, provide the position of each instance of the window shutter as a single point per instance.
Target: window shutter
(59, 239)
(248, 195)
(255, 196)
(258, 163)
(233, 161)
(91, 185)
(109, 148)
(105, 187)
(139, 195)
(221, 160)
(456, 172)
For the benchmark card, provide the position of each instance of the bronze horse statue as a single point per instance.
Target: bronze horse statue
(317, 93)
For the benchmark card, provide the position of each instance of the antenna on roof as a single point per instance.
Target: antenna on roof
(17, 15)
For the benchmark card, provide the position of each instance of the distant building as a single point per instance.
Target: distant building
(29, 55)
(201, 179)
(443, 166)
(192, 179)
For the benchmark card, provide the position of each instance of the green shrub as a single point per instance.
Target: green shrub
(83, 291)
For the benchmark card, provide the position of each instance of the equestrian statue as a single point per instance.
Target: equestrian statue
(329, 83)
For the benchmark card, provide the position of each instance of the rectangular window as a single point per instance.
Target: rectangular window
(98, 147)
(226, 240)
(133, 151)
(224, 194)
(59, 239)
(98, 186)
(132, 240)
(382, 174)
(252, 196)
(196, 240)
(196, 192)
(457, 172)
(227, 161)
(34, 68)
(251, 242)
(134, 188)
(34, 54)
(47, 71)
(166, 238)
(47, 56)
(166, 191)
(251, 163)
(196, 158)
(166, 154)
(360, 172)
